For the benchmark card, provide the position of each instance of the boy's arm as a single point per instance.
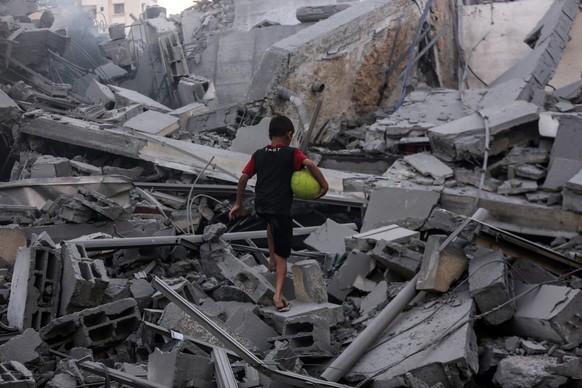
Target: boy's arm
(318, 175)
(240, 192)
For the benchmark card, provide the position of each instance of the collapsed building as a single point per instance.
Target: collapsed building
(446, 253)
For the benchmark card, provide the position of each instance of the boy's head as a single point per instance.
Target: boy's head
(280, 126)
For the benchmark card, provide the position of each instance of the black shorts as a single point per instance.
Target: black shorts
(282, 230)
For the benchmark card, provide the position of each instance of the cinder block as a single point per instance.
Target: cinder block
(15, 375)
(307, 336)
(397, 258)
(308, 282)
(108, 324)
(84, 280)
(332, 313)
(548, 313)
(440, 268)
(490, 286)
(342, 282)
(100, 203)
(246, 279)
(59, 333)
(36, 286)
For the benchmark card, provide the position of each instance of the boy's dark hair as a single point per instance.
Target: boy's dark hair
(279, 126)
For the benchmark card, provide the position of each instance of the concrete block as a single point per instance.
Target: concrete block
(406, 207)
(251, 137)
(548, 312)
(84, 280)
(342, 282)
(125, 97)
(332, 313)
(434, 342)
(397, 258)
(24, 348)
(108, 324)
(36, 286)
(254, 285)
(142, 291)
(490, 285)
(365, 241)
(12, 238)
(153, 123)
(440, 268)
(185, 112)
(247, 324)
(100, 203)
(51, 167)
(307, 336)
(329, 237)
(308, 282)
(15, 375)
(58, 334)
(177, 368)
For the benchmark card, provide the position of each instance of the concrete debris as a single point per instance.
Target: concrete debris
(120, 145)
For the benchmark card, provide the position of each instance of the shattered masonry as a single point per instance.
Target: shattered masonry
(447, 252)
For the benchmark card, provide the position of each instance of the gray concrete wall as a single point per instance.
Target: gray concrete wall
(347, 52)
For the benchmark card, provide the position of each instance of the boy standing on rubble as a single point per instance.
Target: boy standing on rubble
(274, 165)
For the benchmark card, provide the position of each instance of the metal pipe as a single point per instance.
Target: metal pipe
(288, 95)
(137, 242)
(342, 364)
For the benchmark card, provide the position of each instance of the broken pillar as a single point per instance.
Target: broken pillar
(548, 312)
(36, 286)
(308, 282)
(441, 266)
(490, 285)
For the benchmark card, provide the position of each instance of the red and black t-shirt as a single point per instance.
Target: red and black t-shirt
(274, 166)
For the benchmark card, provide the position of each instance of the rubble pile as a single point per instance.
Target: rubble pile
(447, 252)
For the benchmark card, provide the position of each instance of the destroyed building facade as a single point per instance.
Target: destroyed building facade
(447, 252)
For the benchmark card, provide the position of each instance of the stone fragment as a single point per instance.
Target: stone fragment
(365, 241)
(440, 268)
(526, 372)
(342, 281)
(308, 282)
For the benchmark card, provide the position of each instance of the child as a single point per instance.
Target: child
(274, 165)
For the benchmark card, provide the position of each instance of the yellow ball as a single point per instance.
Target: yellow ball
(304, 185)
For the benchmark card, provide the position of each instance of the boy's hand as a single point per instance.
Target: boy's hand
(322, 191)
(233, 213)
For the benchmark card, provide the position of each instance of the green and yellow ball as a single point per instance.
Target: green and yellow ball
(304, 185)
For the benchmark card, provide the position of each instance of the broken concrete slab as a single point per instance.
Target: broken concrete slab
(548, 312)
(465, 138)
(251, 137)
(528, 371)
(329, 238)
(154, 123)
(398, 258)
(444, 343)
(247, 324)
(125, 97)
(366, 241)
(332, 313)
(178, 367)
(572, 193)
(429, 165)
(405, 207)
(376, 299)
